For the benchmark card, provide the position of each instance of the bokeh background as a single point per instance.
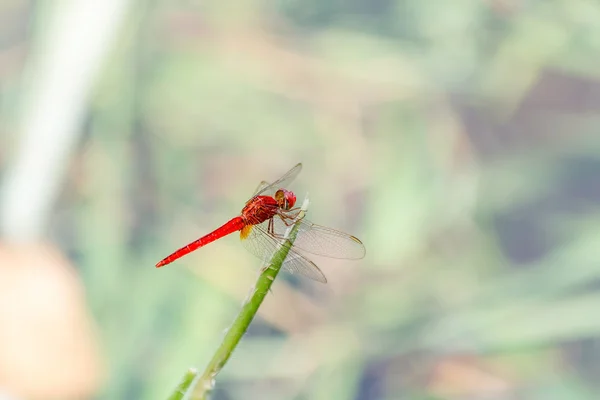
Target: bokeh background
(458, 139)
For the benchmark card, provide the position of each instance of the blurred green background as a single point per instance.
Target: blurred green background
(458, 140)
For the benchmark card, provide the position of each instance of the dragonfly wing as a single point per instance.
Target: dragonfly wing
(256, 244)
(263, 245)
(322, 241)
(296, 263)
(283, 182)
(260, 187)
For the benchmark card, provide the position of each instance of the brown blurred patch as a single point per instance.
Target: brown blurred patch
(48, 348)
(504, 8)
(463, 377)
(545, 115)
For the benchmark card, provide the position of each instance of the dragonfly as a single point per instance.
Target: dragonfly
(263, 222)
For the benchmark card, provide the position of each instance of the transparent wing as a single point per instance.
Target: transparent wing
(264, 188)
(260, 187)
(320, 240)
(263, 245)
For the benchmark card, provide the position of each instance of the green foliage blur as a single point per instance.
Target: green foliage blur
(460, 141)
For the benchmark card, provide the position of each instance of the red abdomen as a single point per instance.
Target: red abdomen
(233, 225)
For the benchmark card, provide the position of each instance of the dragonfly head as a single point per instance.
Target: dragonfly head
(285, 199)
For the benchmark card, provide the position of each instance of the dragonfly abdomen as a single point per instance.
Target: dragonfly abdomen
(233, 225)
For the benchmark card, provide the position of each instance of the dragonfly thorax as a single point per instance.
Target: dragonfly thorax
(259, 209)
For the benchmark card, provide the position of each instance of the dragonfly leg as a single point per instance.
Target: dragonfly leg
(290, 219)
(270, 227)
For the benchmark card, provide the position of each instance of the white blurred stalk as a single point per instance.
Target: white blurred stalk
(62, 73)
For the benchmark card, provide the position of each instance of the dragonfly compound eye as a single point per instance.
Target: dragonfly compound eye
(290, 198)
(285, 199)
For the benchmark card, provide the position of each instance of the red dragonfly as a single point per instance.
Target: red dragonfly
(262, 225)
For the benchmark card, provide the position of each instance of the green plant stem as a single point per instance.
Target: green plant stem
(186, 382)
(205, 384)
